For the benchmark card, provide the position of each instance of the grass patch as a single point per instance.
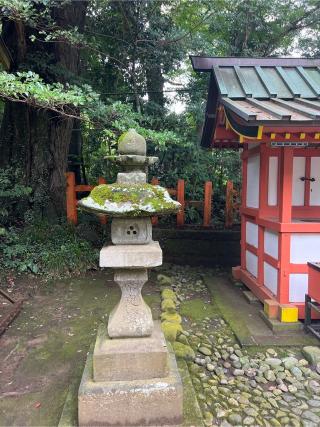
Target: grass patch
(197, 309)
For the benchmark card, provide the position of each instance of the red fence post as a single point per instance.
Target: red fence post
(180, 198)
(207, 204)
(103, 218)
(154, 219)
(71, 202)
(229, 205)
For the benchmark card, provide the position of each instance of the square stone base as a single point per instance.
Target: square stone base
(129, 359)
(281, 328)
(148, 402)
(131, 256)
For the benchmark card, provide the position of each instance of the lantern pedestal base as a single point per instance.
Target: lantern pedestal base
(130, 358)
(140, 402)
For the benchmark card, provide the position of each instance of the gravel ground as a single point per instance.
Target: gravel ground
(242, 386)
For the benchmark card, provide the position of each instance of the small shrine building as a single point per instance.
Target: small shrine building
(270, 109)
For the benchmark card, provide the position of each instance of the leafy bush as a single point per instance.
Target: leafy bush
(44, 248)
(174, 141)
(14, 196)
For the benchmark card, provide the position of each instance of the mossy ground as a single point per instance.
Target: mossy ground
(43, 353)
(44, 350)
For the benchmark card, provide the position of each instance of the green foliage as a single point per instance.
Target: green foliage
(37, 15)
(14, 196)
(176, 145)
(28, 87)
(130, 52)
(43, 248)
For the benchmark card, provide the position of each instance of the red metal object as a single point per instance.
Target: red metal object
(314, 280)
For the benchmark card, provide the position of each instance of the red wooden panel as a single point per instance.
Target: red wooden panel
(285, 199)
(284, 270)
(260, 254)
(83, 187)
(207, 208)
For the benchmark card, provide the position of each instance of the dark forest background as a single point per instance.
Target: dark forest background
(76, 74)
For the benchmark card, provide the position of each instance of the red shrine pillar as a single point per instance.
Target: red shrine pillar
(285, 216)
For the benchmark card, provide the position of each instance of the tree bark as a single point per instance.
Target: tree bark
(155, 86)
(38, 140)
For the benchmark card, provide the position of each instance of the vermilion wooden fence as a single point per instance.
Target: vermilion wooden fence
(178, 193)
(72, 190)
(232, 204)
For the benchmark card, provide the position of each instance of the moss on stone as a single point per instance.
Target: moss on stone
(168, 294)
(183, 339)
(168, 305)
(183, 351)
(164, 280)
(171, 317)
(131, 142)
(171, 330)
(129, 199)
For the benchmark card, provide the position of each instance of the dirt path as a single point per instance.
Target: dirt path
(46, 346)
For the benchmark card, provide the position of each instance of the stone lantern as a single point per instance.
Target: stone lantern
(131, 379)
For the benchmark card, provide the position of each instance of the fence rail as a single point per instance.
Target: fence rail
(178, 193)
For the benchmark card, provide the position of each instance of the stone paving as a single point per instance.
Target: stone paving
(267, 386)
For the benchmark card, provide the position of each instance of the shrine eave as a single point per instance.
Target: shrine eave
(230, 130)
(260, 99)
(203, 63)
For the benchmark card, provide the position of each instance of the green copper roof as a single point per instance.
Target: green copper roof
(263, 78)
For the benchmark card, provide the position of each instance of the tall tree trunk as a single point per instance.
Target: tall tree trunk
(38, 141)
(155, 86)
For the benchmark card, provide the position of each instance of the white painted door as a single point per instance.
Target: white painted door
(299, 170)
(315, 185)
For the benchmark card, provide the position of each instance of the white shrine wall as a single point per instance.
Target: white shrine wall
(253, 179)
(262, 256)
(271, 243)
(270, 277)
(252, 263)
(304, 247)
(273, 181)
(298, 287)
(252, 233)
(299, 167)
(315, 186)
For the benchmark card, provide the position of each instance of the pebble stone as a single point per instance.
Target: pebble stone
(235, 387)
